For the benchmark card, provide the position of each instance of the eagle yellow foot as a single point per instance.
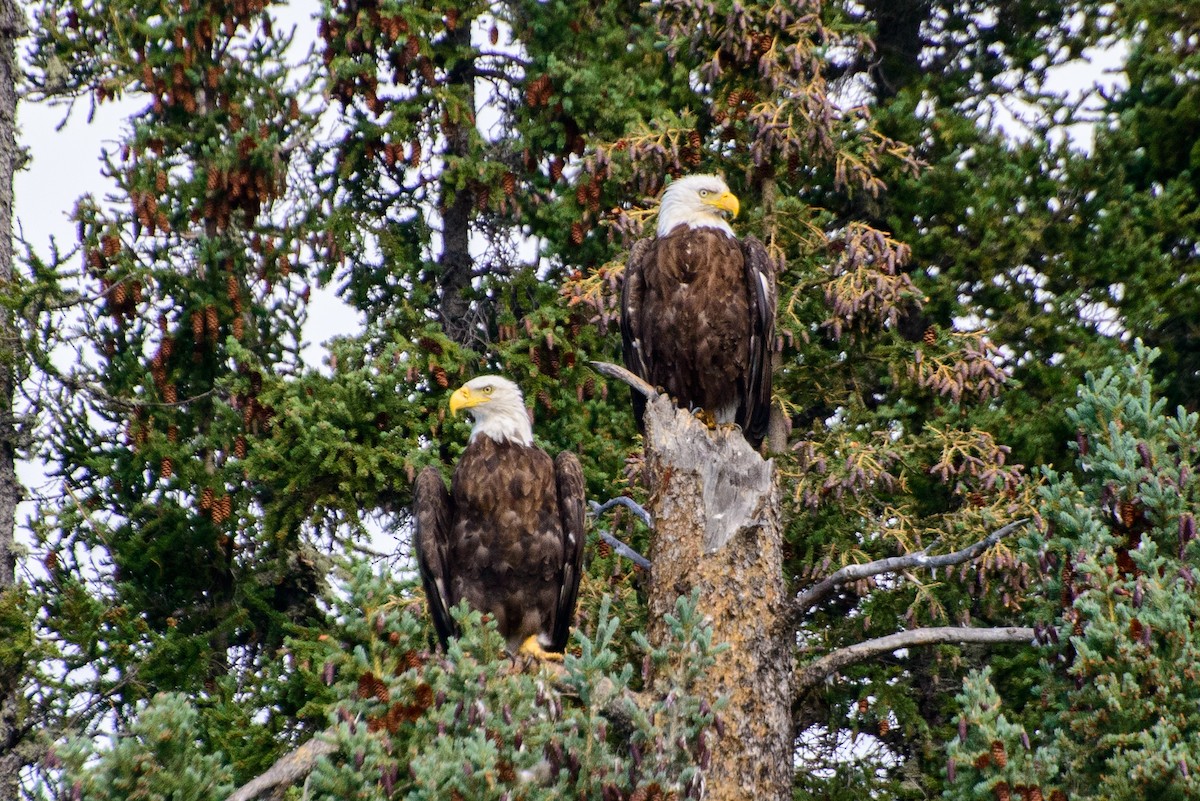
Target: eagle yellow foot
(708, 418)
(533, 649)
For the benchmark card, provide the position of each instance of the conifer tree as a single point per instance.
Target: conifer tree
(162, 573)
(483, 169)
(1111, 710)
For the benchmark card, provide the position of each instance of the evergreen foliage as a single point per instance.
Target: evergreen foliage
(473, 724)
(477, 174)
(1114, 710)
(470, 723)
(160, 757)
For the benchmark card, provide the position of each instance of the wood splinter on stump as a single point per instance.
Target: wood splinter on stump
(717, 530)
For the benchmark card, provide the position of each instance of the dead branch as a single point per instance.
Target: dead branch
(621, 374)
(289, 769)
(815, 672)
(806, 600)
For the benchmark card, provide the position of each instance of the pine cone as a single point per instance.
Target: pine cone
(999, 757)
(206, 498)
(366, 685)
(212, 325)
(439, 376)
(1002, 792)
(167, 468)
(1128, 513)
(239, 447)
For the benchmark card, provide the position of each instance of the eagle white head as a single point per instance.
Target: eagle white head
(697, 201)
(498, 408)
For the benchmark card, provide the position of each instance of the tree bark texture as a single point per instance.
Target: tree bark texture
(11, 28)
(716, 509)
(457, 207)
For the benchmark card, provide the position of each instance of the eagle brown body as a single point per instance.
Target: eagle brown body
(697, 319)
(507, 538)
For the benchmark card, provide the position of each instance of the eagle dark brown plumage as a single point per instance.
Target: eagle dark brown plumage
(698, 309)
(508, 536)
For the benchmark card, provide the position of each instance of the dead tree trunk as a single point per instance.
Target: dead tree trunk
(11, 28)
(716, 511)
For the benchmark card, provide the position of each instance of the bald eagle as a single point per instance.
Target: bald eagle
(508, 536)
(698, 309)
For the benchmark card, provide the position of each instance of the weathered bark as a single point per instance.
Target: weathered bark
(11, 28)
(457, 207)
(716, 510)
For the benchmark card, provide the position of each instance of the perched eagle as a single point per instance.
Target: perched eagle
(698, 309)
(508, 536)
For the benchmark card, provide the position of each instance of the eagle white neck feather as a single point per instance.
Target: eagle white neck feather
(503, 417)
(681, 205)
(504, 424)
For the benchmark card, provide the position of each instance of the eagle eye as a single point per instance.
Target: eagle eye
(487, 390)
(703, 193)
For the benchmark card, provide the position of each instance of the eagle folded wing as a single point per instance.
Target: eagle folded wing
(433, 513)
(568, 475)
(760, 278)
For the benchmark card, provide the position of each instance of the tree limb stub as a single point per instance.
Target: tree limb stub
(621, 374)
(289, 769)
(816, 672)
(806, 600)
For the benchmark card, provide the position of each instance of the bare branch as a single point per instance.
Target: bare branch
(289, 769)
(629, 503)
(618, 546)
(815, 672)
(624, 550)
(809, 598)
(621, 374)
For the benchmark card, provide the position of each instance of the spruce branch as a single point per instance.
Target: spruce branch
(815, 672)
(817, 593)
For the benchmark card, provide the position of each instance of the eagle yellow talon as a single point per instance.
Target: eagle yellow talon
(707, 418)
(533, 649)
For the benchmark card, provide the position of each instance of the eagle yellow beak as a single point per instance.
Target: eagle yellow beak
(464, 398)
(727, 202)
